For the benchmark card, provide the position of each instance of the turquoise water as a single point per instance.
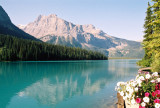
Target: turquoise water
(63, 84)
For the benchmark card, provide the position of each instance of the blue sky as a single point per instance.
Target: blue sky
(120, 18)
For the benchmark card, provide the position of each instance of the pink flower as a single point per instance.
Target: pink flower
(156, 101)
(138, 100)
(141, 106)
(146, 94)
(157, 91)
(158, 95)
(156, 87)
(153, 94)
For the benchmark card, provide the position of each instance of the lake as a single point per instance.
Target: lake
(63, 84)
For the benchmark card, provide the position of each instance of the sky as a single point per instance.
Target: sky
(119, 18)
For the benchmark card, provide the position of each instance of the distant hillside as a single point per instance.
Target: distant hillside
(15, 49)
(57, 31)
(8, 28)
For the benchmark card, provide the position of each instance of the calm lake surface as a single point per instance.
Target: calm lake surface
(63, 84)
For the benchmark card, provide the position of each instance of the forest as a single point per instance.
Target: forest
(16, 49)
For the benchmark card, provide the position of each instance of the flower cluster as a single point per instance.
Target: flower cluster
(144, 90)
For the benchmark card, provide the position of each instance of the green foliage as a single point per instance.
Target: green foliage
(144, 62)
(156, 63)
(151, 41)
(15, 49)
(147, 87)
(156, 15)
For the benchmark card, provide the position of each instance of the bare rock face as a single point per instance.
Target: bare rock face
(55, 30)
(49, 25)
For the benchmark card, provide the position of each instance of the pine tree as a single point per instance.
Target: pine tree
(145, 62)
(147, 26)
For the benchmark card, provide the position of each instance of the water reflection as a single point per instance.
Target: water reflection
(54, 83)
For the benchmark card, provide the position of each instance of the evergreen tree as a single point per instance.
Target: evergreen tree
(148, 26)
(145, 62)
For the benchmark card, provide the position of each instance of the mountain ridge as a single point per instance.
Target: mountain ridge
(4, 16)
(55, 30)
(8, 28)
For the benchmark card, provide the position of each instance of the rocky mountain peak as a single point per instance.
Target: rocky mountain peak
(53, 25)
(52, 16)
(48, 25)
(39, 18)
(89, 26)
(42, 17)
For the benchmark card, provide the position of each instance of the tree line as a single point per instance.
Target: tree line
(16, 49)
(151, 42)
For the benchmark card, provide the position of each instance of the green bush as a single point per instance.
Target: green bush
(144, 62)
(156, 63)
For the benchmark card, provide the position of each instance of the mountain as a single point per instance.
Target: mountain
(8, 28)
(55, 30)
